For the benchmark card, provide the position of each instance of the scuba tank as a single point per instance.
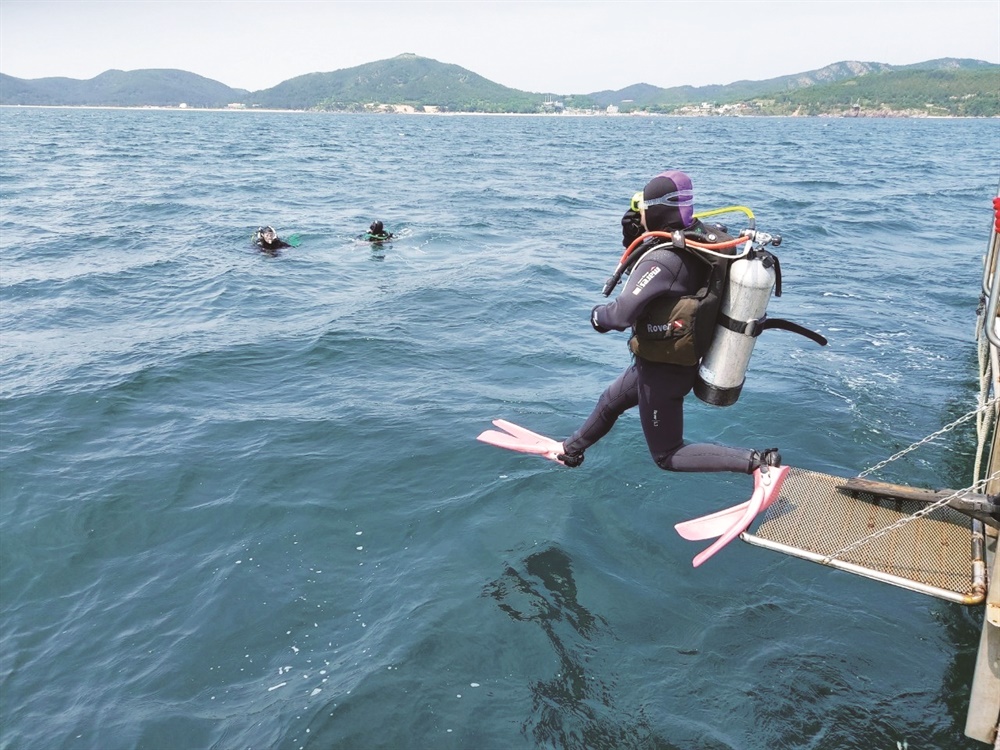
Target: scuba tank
(744, 304)
(741, 319)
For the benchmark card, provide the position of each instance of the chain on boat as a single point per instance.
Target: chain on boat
(930, 508)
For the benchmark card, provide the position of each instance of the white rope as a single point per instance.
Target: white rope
(985, 417)
(982, 355)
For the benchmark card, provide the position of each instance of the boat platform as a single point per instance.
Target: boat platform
(819, 517)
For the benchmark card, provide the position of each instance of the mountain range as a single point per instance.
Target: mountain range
(948, 86)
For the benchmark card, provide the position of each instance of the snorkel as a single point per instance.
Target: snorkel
(681, 241)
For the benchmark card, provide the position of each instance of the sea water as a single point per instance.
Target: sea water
(242, 504)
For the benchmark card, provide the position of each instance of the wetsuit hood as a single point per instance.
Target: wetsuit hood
(678, 210)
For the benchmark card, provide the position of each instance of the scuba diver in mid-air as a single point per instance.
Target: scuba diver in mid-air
(666, 355)
(684, 337)
(661, 373)
(376, 233)
(269, 241)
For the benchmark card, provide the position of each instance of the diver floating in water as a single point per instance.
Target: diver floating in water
(269, 241)
(376, 233)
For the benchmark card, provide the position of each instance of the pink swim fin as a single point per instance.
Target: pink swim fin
(519, 439)
(729, 523)
(712, 525)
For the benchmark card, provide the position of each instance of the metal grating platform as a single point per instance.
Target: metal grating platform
(813, 519)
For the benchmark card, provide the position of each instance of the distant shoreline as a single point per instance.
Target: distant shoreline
(693, 116)
(941, 88)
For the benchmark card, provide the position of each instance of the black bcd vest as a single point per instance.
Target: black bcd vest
(679, 330)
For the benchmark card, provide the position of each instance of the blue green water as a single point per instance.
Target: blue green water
(241, 500)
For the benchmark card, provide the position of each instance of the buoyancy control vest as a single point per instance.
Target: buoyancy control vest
(679, 330)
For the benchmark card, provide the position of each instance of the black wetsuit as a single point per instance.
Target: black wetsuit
(657, 388)
(272, 248)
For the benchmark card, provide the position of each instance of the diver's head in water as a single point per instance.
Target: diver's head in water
(376, 227)
(267, 235)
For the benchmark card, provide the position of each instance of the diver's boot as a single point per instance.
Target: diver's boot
(572, 460)
(766, 457)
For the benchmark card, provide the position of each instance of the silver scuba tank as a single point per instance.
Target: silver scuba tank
(723, 368)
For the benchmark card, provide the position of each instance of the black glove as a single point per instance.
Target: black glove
(593, 321)
(631, 227)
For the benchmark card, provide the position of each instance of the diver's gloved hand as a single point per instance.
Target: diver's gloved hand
(631, 227)
(572, 460)
(593, 321)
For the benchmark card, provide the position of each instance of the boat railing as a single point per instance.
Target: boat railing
(991, 287)
(989, 356)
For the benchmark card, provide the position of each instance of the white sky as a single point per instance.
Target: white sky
(567, 47)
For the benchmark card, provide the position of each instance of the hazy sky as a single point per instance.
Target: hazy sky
(547, 47)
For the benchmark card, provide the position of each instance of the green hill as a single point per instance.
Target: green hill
(644, 96)
(962, 93)
(406, 79)
(117, 88)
